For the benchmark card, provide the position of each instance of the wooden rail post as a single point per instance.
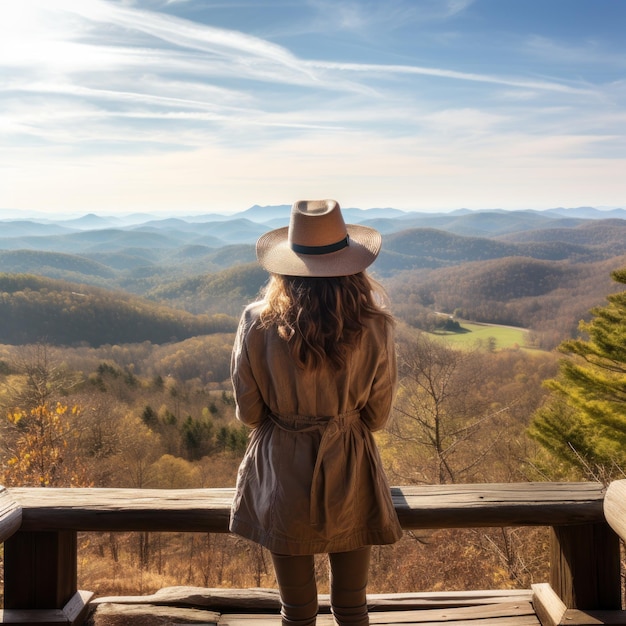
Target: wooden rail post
(40, 569)
(585, 566)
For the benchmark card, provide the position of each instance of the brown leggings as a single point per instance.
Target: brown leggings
(348, 582)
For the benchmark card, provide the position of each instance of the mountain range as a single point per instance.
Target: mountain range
(139, 252)
(93, 232)
(206, 265)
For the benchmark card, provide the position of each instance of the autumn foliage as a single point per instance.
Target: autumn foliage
(42, 453)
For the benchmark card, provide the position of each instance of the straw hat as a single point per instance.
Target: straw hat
(318, 242)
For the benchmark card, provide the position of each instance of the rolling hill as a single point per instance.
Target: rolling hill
(51, 264)
(429, 248)
(514, 265)
(227, 291)
(36, 309)
(608, 235)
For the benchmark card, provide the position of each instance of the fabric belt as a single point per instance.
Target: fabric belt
(330, 459)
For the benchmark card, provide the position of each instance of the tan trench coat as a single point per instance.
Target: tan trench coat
(311, 480)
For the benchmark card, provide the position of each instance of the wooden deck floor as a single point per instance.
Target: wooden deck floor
(259, 607)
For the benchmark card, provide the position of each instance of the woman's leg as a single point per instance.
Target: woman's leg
(298, 590)
(349, 572)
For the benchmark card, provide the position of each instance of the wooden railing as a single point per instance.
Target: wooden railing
(39, 528)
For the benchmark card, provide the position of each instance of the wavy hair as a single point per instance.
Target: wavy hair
(322, 319)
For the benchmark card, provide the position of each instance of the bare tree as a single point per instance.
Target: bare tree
(444, 425)
(41, 379)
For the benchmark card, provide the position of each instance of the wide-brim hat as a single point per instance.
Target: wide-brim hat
(318, 242)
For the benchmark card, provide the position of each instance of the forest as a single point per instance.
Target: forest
(114, 371)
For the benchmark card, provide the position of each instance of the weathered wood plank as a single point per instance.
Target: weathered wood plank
(147, 614)
(110, 509)
(218, 598)
(77, 608)
(520, 614)
(10, 514)
(424, 620)
(225, 600)
(615, 507)
(208, 510)
(549, 607)
(444, 599)
(451, 614)
(416, 618)
(511, 504)
(475, 614)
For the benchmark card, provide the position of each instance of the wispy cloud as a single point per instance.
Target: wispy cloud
(358, 16)
(201, 52)
(182, 33)
(386, 70)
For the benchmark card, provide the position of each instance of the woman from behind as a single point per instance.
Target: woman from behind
(314, 375)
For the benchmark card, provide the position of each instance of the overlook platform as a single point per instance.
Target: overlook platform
(39, 528)
(260, 607)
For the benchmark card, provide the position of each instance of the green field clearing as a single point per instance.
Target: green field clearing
(505, 337)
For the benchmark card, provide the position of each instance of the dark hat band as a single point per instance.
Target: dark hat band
(332, 247)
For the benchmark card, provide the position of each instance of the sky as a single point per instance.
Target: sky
(191, 106)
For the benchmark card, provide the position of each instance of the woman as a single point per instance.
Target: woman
(314, 374)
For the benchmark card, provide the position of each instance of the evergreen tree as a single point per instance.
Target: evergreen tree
(583, 422)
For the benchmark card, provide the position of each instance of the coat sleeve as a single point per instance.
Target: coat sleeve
(377, 410)
(249, 405)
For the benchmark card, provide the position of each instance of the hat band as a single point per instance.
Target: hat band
(332, 247)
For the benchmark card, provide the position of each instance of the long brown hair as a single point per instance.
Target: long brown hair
(322, 319)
